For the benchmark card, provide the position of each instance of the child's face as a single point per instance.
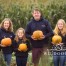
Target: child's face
(20, 34)
(60, 25)
(6, 25)
(36, 15)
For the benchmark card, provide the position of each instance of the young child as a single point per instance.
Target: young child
(21, 56)
(39, 47)
(59, 56)
(6, 31)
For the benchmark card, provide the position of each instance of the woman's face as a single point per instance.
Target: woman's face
(6, 25)
(36, 15)
(60, 25)
(20, 33)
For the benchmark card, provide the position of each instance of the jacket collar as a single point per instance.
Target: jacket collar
(4, 30)
(38, 20)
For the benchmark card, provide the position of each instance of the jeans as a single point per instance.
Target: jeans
(59, 60)
(21, 61)
(7, 58)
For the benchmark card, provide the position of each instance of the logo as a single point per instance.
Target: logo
(43, 26)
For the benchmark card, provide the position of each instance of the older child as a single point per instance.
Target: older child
(21, 56)
(59, 55)
(39, 46)
(6, 31)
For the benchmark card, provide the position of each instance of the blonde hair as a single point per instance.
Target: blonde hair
(10, 24)
(63, 31)
(16, 37)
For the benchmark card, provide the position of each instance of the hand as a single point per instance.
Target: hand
(22, 51)
(33, 37)
(60, 44)
(41, 37)
(2, 45)
(19, 50)
(52, 43)
(25, 50)
(9, 45)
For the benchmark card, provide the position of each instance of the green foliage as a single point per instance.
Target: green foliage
(21, 14)
(55, 12)
(2, 63)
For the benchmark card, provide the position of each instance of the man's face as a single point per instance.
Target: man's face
(36, 14)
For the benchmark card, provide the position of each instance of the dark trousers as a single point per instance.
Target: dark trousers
(21, 61)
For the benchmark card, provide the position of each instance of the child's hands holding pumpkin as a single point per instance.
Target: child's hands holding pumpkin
(52, 43)
(23, 50)
(2, 45)
(8, 45)
(33, 37)
(60, 44)
(42, 37)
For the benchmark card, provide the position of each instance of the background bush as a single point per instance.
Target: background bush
(21, 14)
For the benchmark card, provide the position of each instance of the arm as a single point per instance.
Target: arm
(14, 46)
(49, 30)
(64, 40)
(0, 40)
(0, 48)
(28, 45)
(28, 31)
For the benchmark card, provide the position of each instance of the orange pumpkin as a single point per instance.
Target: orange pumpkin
(37, 34)
(22, 47)
(56, 39)
(6, 41)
